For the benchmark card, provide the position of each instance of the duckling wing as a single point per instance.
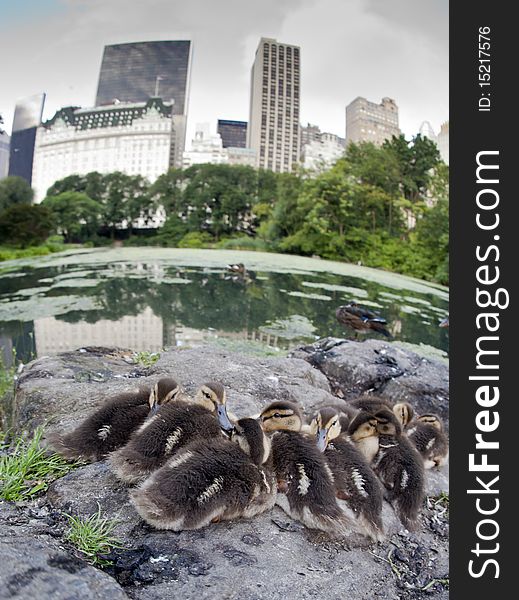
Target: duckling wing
(161, 437)
(106, 429)
(202, 483)
(310, 493)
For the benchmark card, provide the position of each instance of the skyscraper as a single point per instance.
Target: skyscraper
(273, 129)
(233, 133)
(4, 154)
(370, 122)
(137, 71)
(27, 117)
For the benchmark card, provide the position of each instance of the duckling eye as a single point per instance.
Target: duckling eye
(277, 416)
(207, 395)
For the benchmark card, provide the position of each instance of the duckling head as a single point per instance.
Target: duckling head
(388, 423)
(249, 435)
(212, 396)
(363, 426)
(326, 426)
(430, 419)
(164, 391)
(404, 413)
(281, 416)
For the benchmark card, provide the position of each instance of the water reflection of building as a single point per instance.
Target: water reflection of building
(179, 335)
(139, 332)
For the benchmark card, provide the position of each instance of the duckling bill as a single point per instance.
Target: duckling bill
(111, 426)
(210, 480)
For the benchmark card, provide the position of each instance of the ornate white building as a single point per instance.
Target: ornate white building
(208, 148)
(136, 139)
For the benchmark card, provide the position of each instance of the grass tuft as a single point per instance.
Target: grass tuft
(146, 359)
(92, 536)
(28, 468)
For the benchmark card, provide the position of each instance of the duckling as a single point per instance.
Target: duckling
(173, 427)
(305, 483)
(370, 403)
(399, 467)
(364, 434)
(426, 433)
(355, 482)
(111, 426)
(360, 319)
(210, 480)
(403, 410)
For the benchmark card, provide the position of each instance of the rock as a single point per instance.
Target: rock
(381, 367)
(268, 557)
(61, 390)
(35, 565)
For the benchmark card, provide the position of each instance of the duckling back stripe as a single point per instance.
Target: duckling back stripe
(358, 480)
(103, 432)
(211, 491)
(172, 440)
(304, 481)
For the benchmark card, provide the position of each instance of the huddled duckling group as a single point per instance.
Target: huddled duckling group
(195, 465)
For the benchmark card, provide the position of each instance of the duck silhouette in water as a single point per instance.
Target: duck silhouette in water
(361, 320)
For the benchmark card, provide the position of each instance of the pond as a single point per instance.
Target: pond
(149, 298)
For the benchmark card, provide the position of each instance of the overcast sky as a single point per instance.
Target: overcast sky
(349, 48)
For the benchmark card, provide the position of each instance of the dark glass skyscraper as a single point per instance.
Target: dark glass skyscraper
(137, 71)
(233, 133)
(27, 117)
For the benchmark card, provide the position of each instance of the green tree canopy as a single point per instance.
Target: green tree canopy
(76, 216)
(25, 225)
(14, 190)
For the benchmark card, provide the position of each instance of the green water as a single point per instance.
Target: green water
(150, 298)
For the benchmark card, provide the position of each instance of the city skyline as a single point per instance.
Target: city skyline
(340, 61)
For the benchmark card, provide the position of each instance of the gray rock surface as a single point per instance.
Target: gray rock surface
(269, 557)
(35, 565)
(381, 367)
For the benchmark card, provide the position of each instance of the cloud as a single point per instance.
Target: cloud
(373, 48)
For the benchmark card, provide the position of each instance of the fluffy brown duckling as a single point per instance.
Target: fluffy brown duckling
(364, 434)
(427, 434)
(111, 426)
(172, 428)
(306, 491)
(400, 468)
(355, 482)
(210, 480)
(371, 404)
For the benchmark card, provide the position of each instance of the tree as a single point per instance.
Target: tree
(14, 190)
(25, 225)
(125, 199)
(77, 216)
(417, 160)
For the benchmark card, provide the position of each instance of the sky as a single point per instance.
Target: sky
(349, 48)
